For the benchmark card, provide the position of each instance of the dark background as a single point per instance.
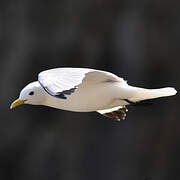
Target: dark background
(138, 40)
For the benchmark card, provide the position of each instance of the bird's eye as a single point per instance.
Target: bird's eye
(31, 93)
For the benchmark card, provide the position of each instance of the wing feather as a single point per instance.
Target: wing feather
(64, 81)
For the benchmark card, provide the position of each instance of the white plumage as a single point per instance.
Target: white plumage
(85, 90)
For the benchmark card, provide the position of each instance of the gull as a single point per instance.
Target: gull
(86, 90)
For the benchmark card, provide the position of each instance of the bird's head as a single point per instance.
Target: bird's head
(33, 93)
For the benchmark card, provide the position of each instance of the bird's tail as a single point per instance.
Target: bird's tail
(141, 94)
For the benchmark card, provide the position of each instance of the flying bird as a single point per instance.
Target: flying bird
(86, 90)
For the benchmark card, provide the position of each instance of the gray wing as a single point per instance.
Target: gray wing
(64, 81)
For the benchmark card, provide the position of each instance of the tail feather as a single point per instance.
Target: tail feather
(144, 94)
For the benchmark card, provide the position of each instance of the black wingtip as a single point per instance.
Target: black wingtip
(62, 94)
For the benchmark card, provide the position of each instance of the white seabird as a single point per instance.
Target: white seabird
(86, 90)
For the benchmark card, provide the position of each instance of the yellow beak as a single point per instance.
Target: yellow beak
(16, 103)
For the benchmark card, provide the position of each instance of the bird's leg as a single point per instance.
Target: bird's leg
(122, 112)
(117, 115)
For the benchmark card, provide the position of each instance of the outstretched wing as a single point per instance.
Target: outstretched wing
(61, 81)
(64, 81)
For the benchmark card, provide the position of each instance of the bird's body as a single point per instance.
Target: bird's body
(89, 98)
(86, 90)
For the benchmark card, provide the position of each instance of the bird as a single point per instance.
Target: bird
(86, 90)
